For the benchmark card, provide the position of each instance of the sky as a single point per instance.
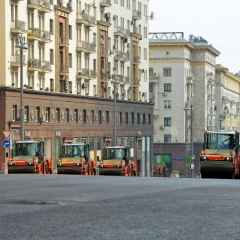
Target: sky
(215, 20)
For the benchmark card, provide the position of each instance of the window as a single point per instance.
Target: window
(167, 104)
(84, 115)
(26, 114)
(48, 114)
(126, 117)
(167, 87)
(120, 117)
(167, 138)
(144, 118)
(138, 118)
(51, 85)
(14, 113)
(51, 26)
(70, 31)
(107, 117)
(149, 118)
(100, 117)
(167, 122)
(67, 114)
(38, 113)
(51, 57)
(93, 116)
(133, 117)
(70, 60)
(167, 72)
(58, 115)
(76, 115)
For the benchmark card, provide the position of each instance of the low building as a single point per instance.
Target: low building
(52, 117)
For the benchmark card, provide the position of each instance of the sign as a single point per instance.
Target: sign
(6, 143)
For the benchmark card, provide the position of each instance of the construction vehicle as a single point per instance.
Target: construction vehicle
(118, 160)
(27, 156)
(220, 156)
(74, 158)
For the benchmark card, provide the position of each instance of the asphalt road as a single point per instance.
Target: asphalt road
(109, 208)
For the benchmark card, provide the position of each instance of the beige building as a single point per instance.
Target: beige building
(78, 47)
(78, 52)
(181, 75)
(227, 99)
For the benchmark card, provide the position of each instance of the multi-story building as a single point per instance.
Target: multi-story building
(78, 47)
(227, 97)
(182, 75)
(80, 54)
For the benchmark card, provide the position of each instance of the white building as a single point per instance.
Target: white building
(77, 46)
(181, 76)
(227, 97)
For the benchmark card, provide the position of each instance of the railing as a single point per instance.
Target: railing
(18, 25)
(15, 60)
(121, 31)
(85, 17)
(37, 33)
(39, 3)
(122, 56)
(105, 3)
(91, 47)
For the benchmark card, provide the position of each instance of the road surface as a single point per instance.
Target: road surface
(111, 208)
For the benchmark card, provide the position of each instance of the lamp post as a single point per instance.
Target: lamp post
(210, 93)
(22, 45)
(114, 108)
(189, 114)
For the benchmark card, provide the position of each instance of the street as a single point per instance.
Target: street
(107, 208)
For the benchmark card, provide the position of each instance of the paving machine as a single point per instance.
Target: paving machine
(74, 158)
(220, 154)
(118, 160)
(27, 156)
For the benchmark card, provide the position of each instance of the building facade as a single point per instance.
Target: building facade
(182, 75)
(227, 97)
(79, 55)
(82, 47)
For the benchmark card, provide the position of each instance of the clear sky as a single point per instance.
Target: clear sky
(217, 21)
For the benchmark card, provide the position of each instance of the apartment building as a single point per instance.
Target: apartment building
(80, 54)
(227, 97)
(182, 86)
(80, 47)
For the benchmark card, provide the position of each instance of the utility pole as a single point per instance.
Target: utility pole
(22, 45)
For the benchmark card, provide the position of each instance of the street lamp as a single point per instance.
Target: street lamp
(189, 114)
(22, 45)
(210, 95)
(114, 108)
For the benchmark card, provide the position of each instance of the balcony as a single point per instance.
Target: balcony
(37, 34)
(41, 5)
(37, 65)
(105, 3)
(136, 14)
(33, 64)
(18, 26)
(118, 78)
(15, 60)
(86, 73)
(122, 56)
(85, 18)
(45, 66)
(86, 46)
(120, 31)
